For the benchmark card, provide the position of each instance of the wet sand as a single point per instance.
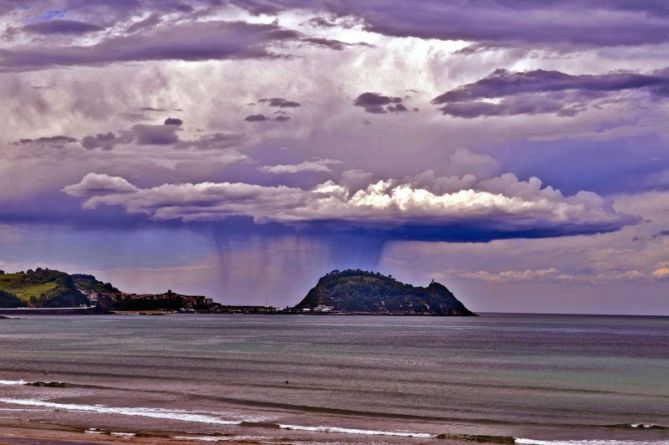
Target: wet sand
(35, 434)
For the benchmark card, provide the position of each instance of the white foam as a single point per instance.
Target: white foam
(189, 416)
(588, 442)
(335, 429)
(13, 382)
(22, 410)
(111, 433)
(220, 438)
(123, 434)
(93, 431)
(154, 413)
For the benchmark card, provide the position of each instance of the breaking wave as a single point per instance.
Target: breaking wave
(212, 418)
(334, 429)
(13, 382)
(155, 413)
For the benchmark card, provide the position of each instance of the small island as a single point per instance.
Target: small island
(362, 292)
(349, 292)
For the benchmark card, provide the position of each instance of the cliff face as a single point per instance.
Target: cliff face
(368, 292)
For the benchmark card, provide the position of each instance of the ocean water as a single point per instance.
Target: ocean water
(539, 379)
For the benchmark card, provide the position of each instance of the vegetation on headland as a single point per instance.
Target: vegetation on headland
(10, 300)
(46, 288)
(338, 292)
(39, 288)
(359, 291)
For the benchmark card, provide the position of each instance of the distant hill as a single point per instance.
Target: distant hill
(47, 288)
(39, 288)
(358, 291)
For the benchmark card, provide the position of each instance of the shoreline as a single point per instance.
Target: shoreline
(97, 311)
(247, 432)
(13, 313)
(31, 432)
(52, 435)
(65, 420)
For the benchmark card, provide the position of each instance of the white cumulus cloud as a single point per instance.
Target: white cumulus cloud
(500, 207)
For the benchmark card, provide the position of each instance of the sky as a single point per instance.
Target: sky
(516, 151)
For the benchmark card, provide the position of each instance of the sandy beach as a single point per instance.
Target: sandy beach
(31, 433)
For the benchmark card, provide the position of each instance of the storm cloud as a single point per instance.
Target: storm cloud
(155, 134)
(173, 121)
(62, 27)
(262, 118)
(186, 41)
(280, 102)
(105, 141)
(510, 23)
(502, 207)
(516, 22)
(542, 91)
(54, 141)
(377, 103)
(216, 132)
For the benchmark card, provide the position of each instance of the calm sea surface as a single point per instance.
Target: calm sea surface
(337, 379)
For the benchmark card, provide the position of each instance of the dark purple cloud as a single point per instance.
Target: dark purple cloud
(105, 141)
(187, 41)
(506, 83)
(173, 121)
(548, 23)
(62, 27)
(152, 109)
(256, 118)
(263, 118)
(515, 22)
(155, 134)
(661, 234)
(377, 103)
(151, 21)
(165, 134)
(497, 23)
(542, 91)
(280, 102)
(327, 43)
(54, 141)
(397, 108)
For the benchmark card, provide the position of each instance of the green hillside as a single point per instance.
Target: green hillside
(39, 288)
(46, 288)
(358, 291)
(8, 300)
(25, 290)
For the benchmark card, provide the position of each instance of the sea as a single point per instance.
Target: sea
(335, 379)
